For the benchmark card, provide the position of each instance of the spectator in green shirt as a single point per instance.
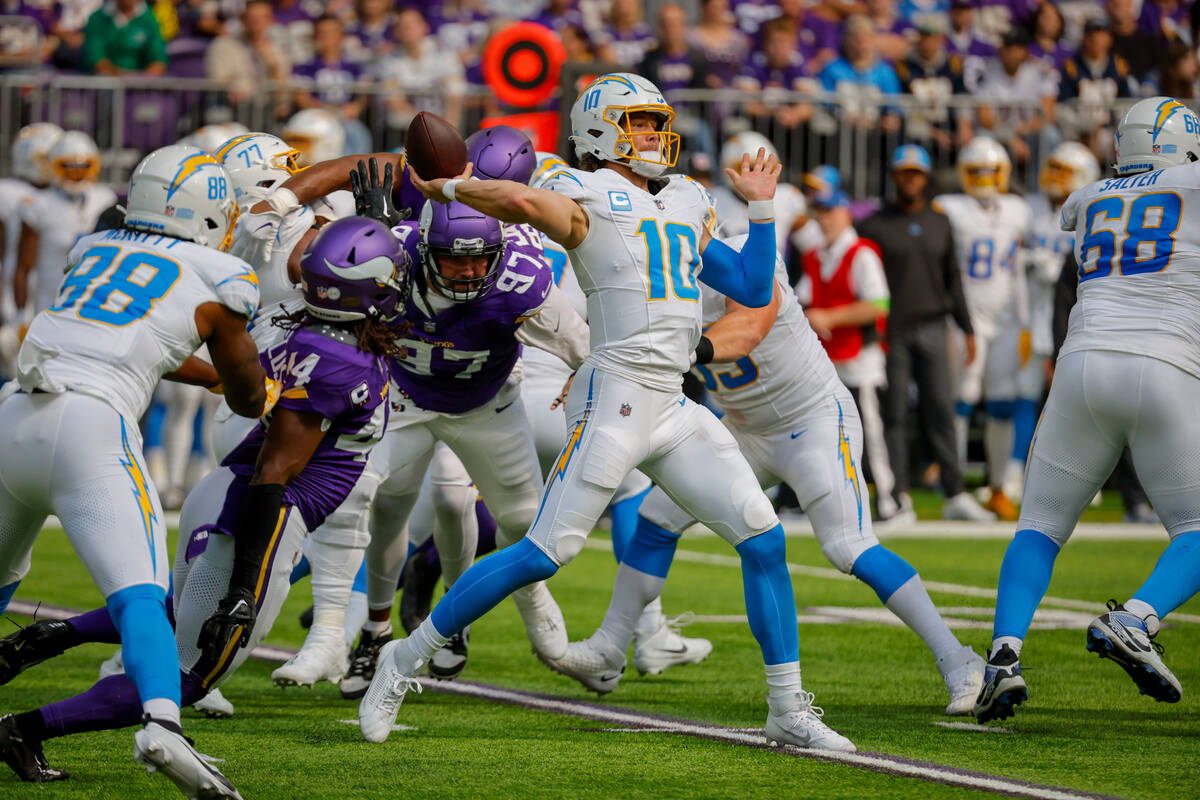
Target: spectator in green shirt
(123, 37)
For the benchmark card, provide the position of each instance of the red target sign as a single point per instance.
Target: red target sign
(521, 63)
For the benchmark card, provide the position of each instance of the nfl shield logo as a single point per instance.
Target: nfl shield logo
(626, 409)
(660, 205)
(430, 326)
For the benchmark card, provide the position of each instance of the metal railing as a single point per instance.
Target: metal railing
(129, 116)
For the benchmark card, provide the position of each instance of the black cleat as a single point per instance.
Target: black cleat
(306, 618)
(416, 599)
(25, 755)
(1003, 687)
(33, 644)
(449, 662)
(1124, 638)
(362, 665)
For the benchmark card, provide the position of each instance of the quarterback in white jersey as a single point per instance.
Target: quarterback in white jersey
(636, 241)
(1126, 377)
(56, 217)
(990, 226)
(136, 302)
(796, 422)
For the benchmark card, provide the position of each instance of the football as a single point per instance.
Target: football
(434, 147)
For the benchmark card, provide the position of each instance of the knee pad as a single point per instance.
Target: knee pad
(758, 514)
(565, 544)
(454, 498)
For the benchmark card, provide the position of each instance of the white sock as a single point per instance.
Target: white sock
(1146, 612)
(163, 709)
(783, 686)
(377, 627)
(333, 570)
(1011, 641)
(418, 648)
(632, 591)
(998, 444)
(651, 619)
(911, 603)
(356, 616)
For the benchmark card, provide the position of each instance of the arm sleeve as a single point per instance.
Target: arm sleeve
(747, 276)
(953, 281)
(558, 329)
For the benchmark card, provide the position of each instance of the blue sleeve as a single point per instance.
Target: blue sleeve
(748, 276)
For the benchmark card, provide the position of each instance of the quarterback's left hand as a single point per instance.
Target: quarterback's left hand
(756, 180)
(234, 617)
(1025, 346)
(433, 189)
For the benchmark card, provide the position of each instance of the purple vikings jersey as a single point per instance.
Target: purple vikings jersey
(458, 357)
(322, 372)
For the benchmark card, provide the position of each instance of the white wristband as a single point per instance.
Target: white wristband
(761, 210)
(283, 201)
(448, 188)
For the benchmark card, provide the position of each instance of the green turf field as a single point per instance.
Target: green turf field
(1085, 728)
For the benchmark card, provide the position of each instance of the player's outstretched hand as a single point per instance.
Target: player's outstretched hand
(433, 189)
(234, 617)
(373, 197)
(756, 180)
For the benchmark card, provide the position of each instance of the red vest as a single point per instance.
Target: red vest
(846, 342)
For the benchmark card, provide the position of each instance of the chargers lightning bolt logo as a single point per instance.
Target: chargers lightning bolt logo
(141, 493)
(848, 467)
(1166, 109)
(189, 167)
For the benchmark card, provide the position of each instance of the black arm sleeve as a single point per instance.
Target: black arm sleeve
(1065, 291)
(953, 277)
(258, 524)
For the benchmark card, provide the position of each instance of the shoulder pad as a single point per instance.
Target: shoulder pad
(237, 290)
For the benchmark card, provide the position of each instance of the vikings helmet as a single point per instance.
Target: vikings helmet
(501, 153)
(355, 269)
(454, 229)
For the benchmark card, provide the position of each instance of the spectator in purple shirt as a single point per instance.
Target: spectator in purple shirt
(370, 36)
(778, 68)
(331, 77)
(963, 38)
(894, 36)
(751, 15)
(674, 64)
(1166, 20)
(558, 14)
(625, 38)
(724, 46)
(818, 35)
(1046, 44)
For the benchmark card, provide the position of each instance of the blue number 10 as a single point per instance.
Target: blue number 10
(683, 284)
(1149, 235)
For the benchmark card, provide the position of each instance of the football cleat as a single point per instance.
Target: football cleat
(381, 703)
(1003, 687)
(33, 644)
(963, 674)
(964, 507)
(544, 623)
(323, 657)
(449, 662)
(214, 705)
(25, 755)
(802, 726)
(161, 746)
(664, 647)
(362, 665)
(416, 598)
(1002, 507)
(1123, 637)
(594, 662)
(113, 665)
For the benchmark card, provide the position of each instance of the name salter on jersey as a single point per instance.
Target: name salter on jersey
(128, 302)
(638, 267)
(1139, 267)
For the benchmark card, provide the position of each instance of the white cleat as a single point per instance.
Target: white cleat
(964, 507)
(380, 705)
(801, 725)
(664, 647)
(162, 747)
(113, 665)
(544, 623)
(594, 662)
(214, 705)
(963, 674)
(324, 657)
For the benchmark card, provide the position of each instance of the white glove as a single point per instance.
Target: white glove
(254, 238)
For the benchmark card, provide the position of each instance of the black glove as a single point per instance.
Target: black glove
(234, 612)
(372, 198)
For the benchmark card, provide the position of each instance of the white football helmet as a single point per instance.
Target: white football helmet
(1069, 167)
(73, 162)
(257, 163)
(600, 127)
(742, 143)
(317, 134)
(209, 137)
(547, 164)
(30, 149)
(984, 168)
(184, 192)
(1155, 133)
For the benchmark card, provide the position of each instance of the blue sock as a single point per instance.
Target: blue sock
(360, 579)
(999, 409)
(1024, 424)
(198, 432)
(1176, 576)
(151, 658)
(6, 595)
(882, 570)
(624, 516)
(487, 582)
(1024, 578)
(155, 418)
(302, 570)
(963, 409)
(652, 549)
(770, 604)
